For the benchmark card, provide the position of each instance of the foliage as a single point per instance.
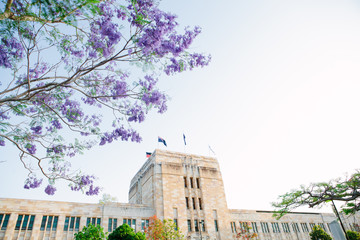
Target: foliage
(162, 230)
(66, 85)
(90, 232)
(352, 235)
(317, 194)
(317, 233)
(244, 232)
(107, 198)
(125, 232)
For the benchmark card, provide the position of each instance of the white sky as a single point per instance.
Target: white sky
(279, 103)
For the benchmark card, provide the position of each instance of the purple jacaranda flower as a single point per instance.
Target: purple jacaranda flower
(50, 190)
(31, 148)
(2, 143)
(36, 130)
(93, 191)
(32, 182)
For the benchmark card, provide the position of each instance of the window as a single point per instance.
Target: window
(187, 202)
(22, 222)
(6, 221)
(196, 225)
(216, 226)
(66, 224)
(189, 225)
(191, 182)
(131, 223)
(144, 224)
(185, 182)
(71, 222)
(202, 225)
(285, 227)
(193, 202)
(176, 223)
(254, 227)
(50, 222)
(275, 227)
(322, 226)
(77, 224)
(312, 225)
(93, 221)
(264, 227)
(295, 227)
(304, 227)
(200, 205)
(112, 224)
(197, 182)
(233, 227)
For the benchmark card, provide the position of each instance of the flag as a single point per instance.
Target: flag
(184, 139)
(162, 140)
(148, 154)
(212, 150)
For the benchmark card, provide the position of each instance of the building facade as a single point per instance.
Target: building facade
(184, 187)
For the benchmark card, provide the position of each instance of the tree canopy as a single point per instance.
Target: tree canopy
(345, 189)
(69, 65)
(162, 230)
(90, 232)
(125, 232)
(317, 233)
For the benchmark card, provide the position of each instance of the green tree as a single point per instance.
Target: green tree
(352, 235)
(318, 233)
(345, 189)
(125, 232)
(91, 232)
(162, 230)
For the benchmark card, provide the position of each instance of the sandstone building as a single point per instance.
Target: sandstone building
(184, 187)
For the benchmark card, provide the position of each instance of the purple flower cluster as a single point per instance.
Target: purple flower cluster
(38, 70)
(71, 110)
(136, 114)
(32, 182)
(148, 83)
(36, 130)
(50, 190)
(10, 50)
(2, 143)
(86, 182)
(122, 133)
(157, 99)
(30, 148)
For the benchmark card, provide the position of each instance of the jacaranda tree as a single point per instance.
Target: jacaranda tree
(65, 62)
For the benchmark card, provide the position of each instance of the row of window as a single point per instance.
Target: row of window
(275, 227)
(199, 205)
(199, 225)
(192, 185)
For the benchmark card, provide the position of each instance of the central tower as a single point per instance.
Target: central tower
(186, 188)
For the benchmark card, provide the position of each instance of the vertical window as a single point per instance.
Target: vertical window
(216, 225)
(133, 225)
(197, 182)
(115, 223)
(110, 225)
(93, 221)
(193, 202)
(55, 222)
(275, 227)
(312, 225)
(196, 225)
(322, 226)
(98, 221)
(176, 224)
(200, 205)
(304, 227)
(49, 222)
(124, 221)
(185, 182)
(6, 221)
(295, 227)
(72, 223)
(77, 224)
(66, 224)
(285, 227)
(43, 223)
(187, 202)
(129, 222)
(264, 227)
(1, 218)
(254, 227)
(25, 222)
(191, 182)
(233, 227)
(189, 225)
(31, 223)
(202, 225)
(18, 222)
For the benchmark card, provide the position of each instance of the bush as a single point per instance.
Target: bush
(125, 232)
(91, 232)
(318, 233)
(352, 235)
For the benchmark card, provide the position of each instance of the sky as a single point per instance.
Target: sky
(278, 104)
